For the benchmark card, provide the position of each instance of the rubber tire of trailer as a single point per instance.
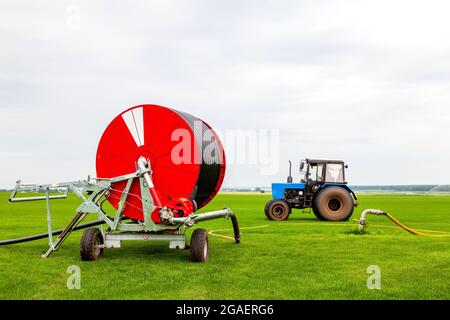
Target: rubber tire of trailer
(90, 240)
(199, 247)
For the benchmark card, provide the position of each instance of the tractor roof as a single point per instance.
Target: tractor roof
(319, 161)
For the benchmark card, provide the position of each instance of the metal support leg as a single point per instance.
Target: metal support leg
(49, 221)
(63, 236)
(122, 202)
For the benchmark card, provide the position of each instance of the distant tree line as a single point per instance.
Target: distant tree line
(405, 188)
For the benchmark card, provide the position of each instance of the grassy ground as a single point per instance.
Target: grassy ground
(297, 259)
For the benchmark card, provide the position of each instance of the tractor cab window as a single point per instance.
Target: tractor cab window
(316, 172)
(334, 172)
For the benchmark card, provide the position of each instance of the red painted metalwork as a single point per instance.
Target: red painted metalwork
(154, 132)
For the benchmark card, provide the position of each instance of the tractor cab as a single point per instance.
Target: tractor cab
(318, 172)
(322, 187)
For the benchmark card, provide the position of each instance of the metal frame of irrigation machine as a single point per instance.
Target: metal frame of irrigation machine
(171, 228)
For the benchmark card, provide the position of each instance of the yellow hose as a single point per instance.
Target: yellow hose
(401, 225)
(213, 232)
(395, 227)
(390, 217)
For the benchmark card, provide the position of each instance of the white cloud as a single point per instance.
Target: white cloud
(364, 81)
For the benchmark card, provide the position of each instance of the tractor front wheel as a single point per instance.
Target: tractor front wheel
(333, 204)
(277, 210)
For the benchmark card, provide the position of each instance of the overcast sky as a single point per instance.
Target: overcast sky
(363, 81)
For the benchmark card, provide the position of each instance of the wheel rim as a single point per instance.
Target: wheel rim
(205, 251)
(334, 204)
(278, 210)
(97, 248)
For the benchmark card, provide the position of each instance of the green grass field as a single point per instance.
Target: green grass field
(297, 259)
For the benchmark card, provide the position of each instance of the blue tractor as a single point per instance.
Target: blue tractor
(322, 188)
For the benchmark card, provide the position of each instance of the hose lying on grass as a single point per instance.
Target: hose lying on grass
(363, 222)
(213, 232)
(45, 235)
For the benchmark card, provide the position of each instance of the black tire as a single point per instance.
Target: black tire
(333, 204)
(265, 209)
(277, 210)
(199, 248)
(317, 213)
(91, 239)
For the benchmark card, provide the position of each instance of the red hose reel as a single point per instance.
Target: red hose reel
(186, 157)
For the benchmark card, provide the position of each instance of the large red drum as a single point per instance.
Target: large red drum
(186, 156)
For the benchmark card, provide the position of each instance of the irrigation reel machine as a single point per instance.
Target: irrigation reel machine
(155, 166)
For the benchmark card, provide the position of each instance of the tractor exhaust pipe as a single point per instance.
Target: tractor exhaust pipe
(289, 178)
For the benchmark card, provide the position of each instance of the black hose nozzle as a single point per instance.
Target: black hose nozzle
(237, 232)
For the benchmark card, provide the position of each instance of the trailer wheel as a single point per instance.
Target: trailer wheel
(199, 248)
(90, 244)
(277, 210)
(333, 204)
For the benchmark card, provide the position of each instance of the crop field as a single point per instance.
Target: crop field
(301, 258)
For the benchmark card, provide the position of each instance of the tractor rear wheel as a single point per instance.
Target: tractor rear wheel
(91, 244)
(333, 204)
(199, 248)
(317, 213)
(277, 210)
